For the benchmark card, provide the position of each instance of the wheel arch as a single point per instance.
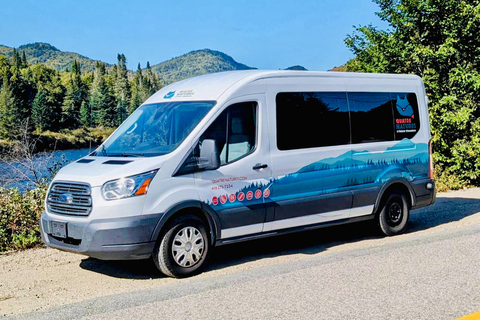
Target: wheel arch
(398, 184)
(196, 208)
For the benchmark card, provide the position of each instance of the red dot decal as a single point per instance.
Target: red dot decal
(232, 197)
(266, 193)
(258, 194)
(215, 201)
(241, 196)
(223, 199)
(249, 195)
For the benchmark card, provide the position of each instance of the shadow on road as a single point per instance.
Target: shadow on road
(445, 210)
(131, 269)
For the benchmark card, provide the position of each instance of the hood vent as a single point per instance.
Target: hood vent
(117, 162)
(85, 160)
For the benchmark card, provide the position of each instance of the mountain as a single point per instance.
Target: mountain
(297, 67)
(188, 65)
(196, 63)
(49, 55)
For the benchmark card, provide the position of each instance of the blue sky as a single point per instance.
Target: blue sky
(263, 34)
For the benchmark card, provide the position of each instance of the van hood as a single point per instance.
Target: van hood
(98, 170)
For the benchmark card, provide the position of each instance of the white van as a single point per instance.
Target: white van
(242, 155)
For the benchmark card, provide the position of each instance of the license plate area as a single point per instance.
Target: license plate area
(59, 229)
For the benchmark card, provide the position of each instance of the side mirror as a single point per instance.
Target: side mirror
(209, 156)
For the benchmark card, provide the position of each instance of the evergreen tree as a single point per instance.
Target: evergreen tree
(102, 102)
(121, 88)
(143, 86)
(137, 90)
(17, 61)
(16, 98)
(24, 60)
(7, 115)
(85, 115)
(47, 81)
(42, 115)
(76, 93)
(152, 81)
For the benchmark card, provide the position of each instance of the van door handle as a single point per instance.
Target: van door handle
(260, 166)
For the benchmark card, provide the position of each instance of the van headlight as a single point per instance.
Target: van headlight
(128, 187)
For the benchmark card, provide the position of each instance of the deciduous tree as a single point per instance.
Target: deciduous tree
(438, 40)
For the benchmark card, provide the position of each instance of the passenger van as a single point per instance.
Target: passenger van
(241, 155)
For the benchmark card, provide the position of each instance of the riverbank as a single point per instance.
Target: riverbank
(64, 140)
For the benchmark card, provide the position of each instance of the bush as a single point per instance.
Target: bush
(19, 218)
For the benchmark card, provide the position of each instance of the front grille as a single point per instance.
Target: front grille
(70, 198)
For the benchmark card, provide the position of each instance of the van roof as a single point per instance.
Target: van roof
(212, 86)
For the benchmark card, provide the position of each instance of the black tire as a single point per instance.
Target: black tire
(393, 216)
(164, 254)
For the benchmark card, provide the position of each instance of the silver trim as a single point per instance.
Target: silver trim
(296, 222)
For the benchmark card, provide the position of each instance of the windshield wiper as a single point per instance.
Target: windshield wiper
(132, 155)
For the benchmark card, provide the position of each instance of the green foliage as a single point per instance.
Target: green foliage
(47, 105)
(55, 101)
(47, 54)
(439, 41)
(85, 115)
(102, 102)
(76, 94)
(196, 63)
(121, 88)
(19, 218)
(42, 114)
(143, 86)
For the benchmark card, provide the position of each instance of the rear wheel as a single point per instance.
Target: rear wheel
(182, 249)
(393, 216)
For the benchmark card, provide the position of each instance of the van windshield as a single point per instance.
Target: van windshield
(154, 129)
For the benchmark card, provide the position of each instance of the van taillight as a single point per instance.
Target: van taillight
(430, 160)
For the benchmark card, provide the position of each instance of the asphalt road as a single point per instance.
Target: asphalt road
(347, 272)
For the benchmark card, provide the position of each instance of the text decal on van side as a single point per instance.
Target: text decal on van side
(185, 94)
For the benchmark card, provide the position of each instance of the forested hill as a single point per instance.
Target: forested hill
(188, 65)
(196, 63)
(49, 55)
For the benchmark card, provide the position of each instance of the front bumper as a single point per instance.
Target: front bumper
(126, 238)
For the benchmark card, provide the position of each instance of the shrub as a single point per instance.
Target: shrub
(19, 218)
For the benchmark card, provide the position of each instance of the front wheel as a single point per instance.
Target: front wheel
(182, 249)
(394, 214)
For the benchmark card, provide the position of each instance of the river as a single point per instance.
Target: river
(41, 162)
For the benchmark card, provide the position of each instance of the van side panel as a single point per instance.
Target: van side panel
(314, 185)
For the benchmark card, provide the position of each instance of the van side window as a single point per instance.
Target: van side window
(235, 131)
(372, 116)
(312, 119)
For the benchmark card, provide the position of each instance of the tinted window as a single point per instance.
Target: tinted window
(407, 121)
(312, 119)
(235, 131)
(371, 116)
